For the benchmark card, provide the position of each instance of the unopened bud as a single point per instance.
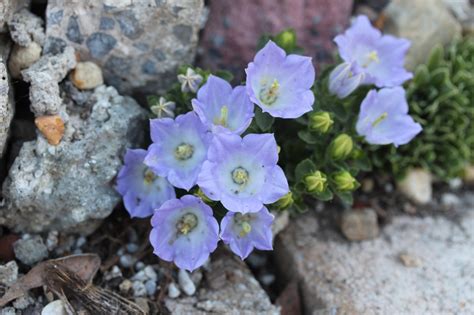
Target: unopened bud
(344, 181)
(320, 122)
(341, 147)
(316, 182)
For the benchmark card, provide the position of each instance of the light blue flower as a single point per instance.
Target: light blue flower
(343, 81)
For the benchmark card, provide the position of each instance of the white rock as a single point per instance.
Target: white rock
(54, 308)
(8, 311)
(150, 273)
(450, 200)
(23, 57)
(455, 183)
(9, 273)
(417, 186)
(185, 282)
(87, 75)
(139, 289)
(173, 290)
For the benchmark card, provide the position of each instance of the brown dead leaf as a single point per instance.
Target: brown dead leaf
(85, 266)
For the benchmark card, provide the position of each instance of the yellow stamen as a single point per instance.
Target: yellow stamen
(149, 177)
(222, 120)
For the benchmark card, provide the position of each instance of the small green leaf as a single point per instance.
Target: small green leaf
(307, 137)
(264, 120)
(304, 168)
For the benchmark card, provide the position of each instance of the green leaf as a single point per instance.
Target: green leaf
(307, 137)
(304, 168)
(435, 58)
(324, 196)
(346, 197)
(264, 120)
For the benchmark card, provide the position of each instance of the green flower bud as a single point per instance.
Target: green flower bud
(344, 181)
(341, 147)
(320, 122)
(284, 202)
(286, 39)
(316, 182)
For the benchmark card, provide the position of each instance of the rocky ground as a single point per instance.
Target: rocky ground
(65, 73)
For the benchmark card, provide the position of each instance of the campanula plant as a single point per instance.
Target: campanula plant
(237, 153)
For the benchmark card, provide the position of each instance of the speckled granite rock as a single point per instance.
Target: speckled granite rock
(425, 22)
(416, 266)
(7, 8)
(25, 27)
(69, 187)
(234, 27)
(137, 43)
(6, 94)
(230, 289)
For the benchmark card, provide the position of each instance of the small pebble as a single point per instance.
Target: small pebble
(23, 302)
(139, 289)
(185, 282)
(81, 241)
(54, 308)
(150, 286)
(450, 200)
(455, 183)
(51, 127)
(267, 279)
(150, 273)
(52, 240)
(359, 224)
(121, 251)
(23, 57)
(140, 276)
(87, 75)
(409, 260)
(114, 273)
(126, 261)
(132, 248)
(9, 273)
(139, 265)
(31, 250)
(8, 311)
(173, 290)
(125, 286)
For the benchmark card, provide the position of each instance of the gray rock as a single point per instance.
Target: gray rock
(6, 94)
(8, 8)
(25, 27)
(23, 302)
(173, 291)
(54, 308)
(137, 44)
(359, 224)
(69, 187)
(30, 250)
(9, 273)
(425, 22)
(416, 266)
(139, 289)
(185, 282)
(150, 286)
(230, 289)
(8, 311)
(44, 76)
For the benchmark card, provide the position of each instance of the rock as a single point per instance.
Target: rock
(69, 187)
(7, 9)
(449, 200)
(463, 10)
(6, 93)
(469, 174)
(173, 291)
(359, 224)
(44, 76)
(30, 250)
(417, 186)
(127, 261)
(23, 57)
(150, 287)
(425, 22)
(230, 289)
(139, 289)
(143, 304)
(26, 28)
(51, 127)
(125, 286)
(138, 44)
(23, 302)
(231, 34)
(54, 308)
(185, 282)
(87, 75)
(52, 240)
(9, 273)
(8, 311)
(370, 277)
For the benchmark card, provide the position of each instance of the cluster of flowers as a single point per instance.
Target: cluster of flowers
(209, 147)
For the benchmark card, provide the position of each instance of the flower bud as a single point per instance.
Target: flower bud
(344, 181)
(320, 122)
(316, 182)
(341, 147)
(284, 202)
(342, 80)
(286, 40)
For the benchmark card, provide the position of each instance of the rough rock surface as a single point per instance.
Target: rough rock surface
(30, 250)
(71, 185)
(25, 28)
(230, 289)
(137, 43)
(6, 94)
(417, 186)
(424, 22)
(8, 8)
(44, 76)
(234, 27)
(416, 266)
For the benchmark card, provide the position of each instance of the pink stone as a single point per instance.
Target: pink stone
(234, 27)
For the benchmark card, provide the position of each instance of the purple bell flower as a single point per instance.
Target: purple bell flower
(184, 231)
(343, 81)
(243, 173)
(244, 232)
(384, 119)
(219, 106)
(142, 190)
(380, 57)
(279, 84)
(179, 148)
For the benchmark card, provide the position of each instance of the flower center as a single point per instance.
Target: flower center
(148, 176)
(269, 93)
(240, 176)
(184, 151)
(243, 223)
(222, 119)
(187, 223)
(380, 119)
(372, 56)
